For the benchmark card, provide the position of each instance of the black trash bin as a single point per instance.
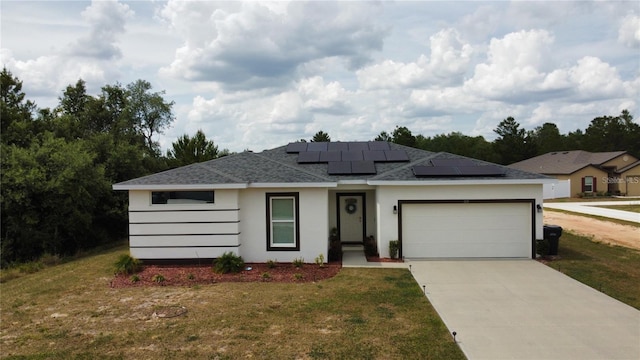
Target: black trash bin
(552, 233)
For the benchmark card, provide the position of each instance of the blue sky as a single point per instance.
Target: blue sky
(255, 75)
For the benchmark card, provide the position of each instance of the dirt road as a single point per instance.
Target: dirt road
(604, 231)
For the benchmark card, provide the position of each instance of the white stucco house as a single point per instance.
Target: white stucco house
(281, 204)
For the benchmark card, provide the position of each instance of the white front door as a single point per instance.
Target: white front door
(351, 220)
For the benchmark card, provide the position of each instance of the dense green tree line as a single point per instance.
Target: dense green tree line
(514, 143)
(58, 164)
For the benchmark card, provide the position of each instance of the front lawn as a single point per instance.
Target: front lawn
(70, 311)
(614, 270)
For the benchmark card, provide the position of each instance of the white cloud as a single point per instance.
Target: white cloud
(106, 19)
(448, 62)
(629, 31)
(253, 45)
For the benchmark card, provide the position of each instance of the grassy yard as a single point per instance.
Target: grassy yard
(632, 208)
(70, 311)
(614, 270)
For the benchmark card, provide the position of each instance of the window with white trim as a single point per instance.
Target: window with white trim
(588, 184)
(283, 230)
(182, 197)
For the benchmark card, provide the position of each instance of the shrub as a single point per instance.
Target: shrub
(298, 276)
(271, 264)
(370, 246)
(393, 248)
(228, 262)
(127, 264)
(159, 278)
(320, 260)
(190, 276)
(266, 276)
(134, 278)
(298, 262)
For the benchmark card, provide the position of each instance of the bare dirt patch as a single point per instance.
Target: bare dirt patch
(191, 275)
(603, 231)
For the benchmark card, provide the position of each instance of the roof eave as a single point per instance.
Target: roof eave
(179, 186)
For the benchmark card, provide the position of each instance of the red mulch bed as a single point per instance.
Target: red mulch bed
(190, 275)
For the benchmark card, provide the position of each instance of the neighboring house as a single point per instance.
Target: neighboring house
(281, 204)
(614, 172)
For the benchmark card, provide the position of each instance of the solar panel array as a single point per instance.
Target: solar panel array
(457, 168)
(347, 158)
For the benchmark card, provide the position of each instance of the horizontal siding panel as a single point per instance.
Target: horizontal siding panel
(183, 216)
(181, 253)
(184, 229)
(184, 241)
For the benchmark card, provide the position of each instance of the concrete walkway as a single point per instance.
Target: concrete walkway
(353, 256)
(591, 208)
(522, 309)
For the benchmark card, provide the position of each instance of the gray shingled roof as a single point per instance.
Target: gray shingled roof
(278, 166)
(564, 162)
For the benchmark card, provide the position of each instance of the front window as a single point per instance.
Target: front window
(182, 197)
(282, 221)
(588, 184)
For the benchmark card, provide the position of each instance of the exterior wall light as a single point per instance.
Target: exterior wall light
(395, 209)
(539, 207)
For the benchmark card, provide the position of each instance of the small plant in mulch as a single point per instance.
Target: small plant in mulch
(320, 260)
(271, 264)
(190, 276)
(134, 278)
(298, 262)
(126, 264)
(298, 276)
(158, 278)
(228, 263)
(265, 276)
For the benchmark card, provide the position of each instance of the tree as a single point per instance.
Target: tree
(321, 136)
(16, 113)
(547, 138)
(609, 133)
(513, 143)
(403, 136)
(188, 150)
(383, 136)
(148, 112)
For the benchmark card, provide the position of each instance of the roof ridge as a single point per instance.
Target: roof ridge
(294, 167)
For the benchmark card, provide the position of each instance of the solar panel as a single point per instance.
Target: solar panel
(327, 156)
(339, 168)
(396, 155)
(317, 146)
(435, 171)
(352, 156)
(296, 147)
(338, 146)
(485, 170)
(358, 146)
(363, 167)
(374, 155)
(309, 157)
(453, 162)
(379, 145)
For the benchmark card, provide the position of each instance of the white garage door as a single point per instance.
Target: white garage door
(466, 230)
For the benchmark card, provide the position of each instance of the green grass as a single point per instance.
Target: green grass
(614, 270)
(632, 208)
(69, 311)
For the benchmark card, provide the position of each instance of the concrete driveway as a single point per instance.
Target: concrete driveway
(522, 309)
(592, 208)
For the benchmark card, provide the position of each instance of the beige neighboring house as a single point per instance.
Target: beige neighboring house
(614, 172)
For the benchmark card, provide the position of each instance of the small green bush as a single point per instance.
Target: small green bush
(134, 278)
(159, 278)
(271, 264)
(298, 262)
(393, 248)
(320, 260)
(298, 276)
(266, 276)
(190, 276)
(228, 262)
(127, 264)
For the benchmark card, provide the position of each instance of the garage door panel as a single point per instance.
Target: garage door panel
(466, 230)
